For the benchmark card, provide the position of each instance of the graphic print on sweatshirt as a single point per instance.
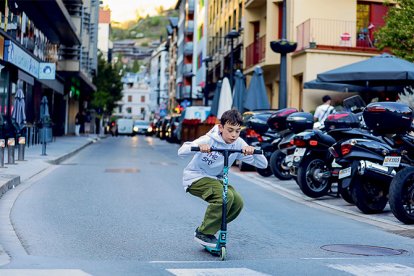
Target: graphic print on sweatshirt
(210, 158)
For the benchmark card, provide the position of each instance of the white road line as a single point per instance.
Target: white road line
(216, 272)
(376, 269)
(183, 262)
(43, 272)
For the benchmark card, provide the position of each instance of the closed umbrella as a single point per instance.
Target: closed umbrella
(256, 96)
(18, 114)
(239, 92)
(226, 98)
(216, 97)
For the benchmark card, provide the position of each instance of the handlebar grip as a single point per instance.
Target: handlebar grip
(258, 152)
(195, 149)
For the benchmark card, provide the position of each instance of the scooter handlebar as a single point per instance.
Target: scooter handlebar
(228, 150)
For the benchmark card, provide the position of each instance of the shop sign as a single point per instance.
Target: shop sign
(47, 71)
(17, 56)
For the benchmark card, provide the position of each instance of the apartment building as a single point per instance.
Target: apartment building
(172, 40)
(329, 34)
(104, 31)
(136, 97)
(159, 76)
(57, 62)
(224, 16)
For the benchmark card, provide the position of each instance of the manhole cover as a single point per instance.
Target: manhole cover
(122, 170)
(164, 163)
(364, 250)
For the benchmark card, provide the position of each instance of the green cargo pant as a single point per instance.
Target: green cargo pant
(211, 190)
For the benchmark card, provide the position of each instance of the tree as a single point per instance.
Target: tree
(160, 10)
(108, 87)
(398, 31)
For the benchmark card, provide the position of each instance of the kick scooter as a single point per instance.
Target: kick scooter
(220, 248)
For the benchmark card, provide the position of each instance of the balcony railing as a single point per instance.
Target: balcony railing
(191, 6)
(328, 32)
(186, 92)
(188, 69)
(188, 48)
(256, 52)
(189, 28)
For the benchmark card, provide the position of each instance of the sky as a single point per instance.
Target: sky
(123, 10)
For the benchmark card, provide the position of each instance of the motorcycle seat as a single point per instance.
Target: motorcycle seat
(324, 138)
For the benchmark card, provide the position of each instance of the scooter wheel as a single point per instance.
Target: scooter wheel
(223, 253)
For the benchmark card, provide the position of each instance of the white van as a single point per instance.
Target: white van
(125, 126)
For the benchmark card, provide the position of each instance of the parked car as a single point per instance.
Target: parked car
(141, 127)
(171, 134)
(163, 128)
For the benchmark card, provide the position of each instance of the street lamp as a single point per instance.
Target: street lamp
(206, 60)
(233, 34)
(283, 46)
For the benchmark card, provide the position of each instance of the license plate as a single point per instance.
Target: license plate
(289, 158)
(392, 161)
(344, 173)
(299, 152)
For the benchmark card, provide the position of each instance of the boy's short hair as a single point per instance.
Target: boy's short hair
(233, 117)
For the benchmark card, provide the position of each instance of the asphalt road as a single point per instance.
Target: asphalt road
(118, 208)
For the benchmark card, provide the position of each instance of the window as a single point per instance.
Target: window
(142, 99)
(129, 110)
(129, 98)
(370, 16)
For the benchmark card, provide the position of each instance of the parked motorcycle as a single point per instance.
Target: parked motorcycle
(314, 164)
(277, 163)
(370, 165)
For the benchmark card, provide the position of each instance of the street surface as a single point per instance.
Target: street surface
(118, 208)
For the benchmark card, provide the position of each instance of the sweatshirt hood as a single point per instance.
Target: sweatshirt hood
(214, 134)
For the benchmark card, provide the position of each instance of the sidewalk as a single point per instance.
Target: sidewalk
(56, 152)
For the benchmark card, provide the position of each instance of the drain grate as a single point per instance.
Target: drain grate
(363, 250)
(122, 170)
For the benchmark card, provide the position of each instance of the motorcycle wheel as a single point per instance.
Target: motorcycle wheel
(370, 197)
(345, 193)
(264, 172)
(275, 164)
(402, 196)
(309, 184)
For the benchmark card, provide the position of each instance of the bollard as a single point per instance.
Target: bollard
(22, 145)
(2, 146)
(10, 149)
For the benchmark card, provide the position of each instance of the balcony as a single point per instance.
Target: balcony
(186, 92)
(322, 33)
(188, 49)
(188, 70)
(189, 28)
(256, 52)
(191, 5)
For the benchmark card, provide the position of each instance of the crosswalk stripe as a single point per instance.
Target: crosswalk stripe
(216, 272)
(375, 269)
(43, 272)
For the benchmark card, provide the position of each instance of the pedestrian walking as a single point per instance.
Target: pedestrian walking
(78, 123)
(203, 175)
(322, 111)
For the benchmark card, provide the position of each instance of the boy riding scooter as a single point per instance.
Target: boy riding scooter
(203, 175)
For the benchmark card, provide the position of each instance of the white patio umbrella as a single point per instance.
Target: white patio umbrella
(226, 98)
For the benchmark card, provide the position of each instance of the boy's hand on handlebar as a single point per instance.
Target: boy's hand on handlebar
(248, 150)
(204, 148)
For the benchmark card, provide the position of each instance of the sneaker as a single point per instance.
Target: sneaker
(206, 240)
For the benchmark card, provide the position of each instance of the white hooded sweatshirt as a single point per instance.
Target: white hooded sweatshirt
(211, 164)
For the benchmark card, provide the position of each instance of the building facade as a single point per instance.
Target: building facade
(104, 31)
(135, 103)
(329, 35)
(159, 76)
